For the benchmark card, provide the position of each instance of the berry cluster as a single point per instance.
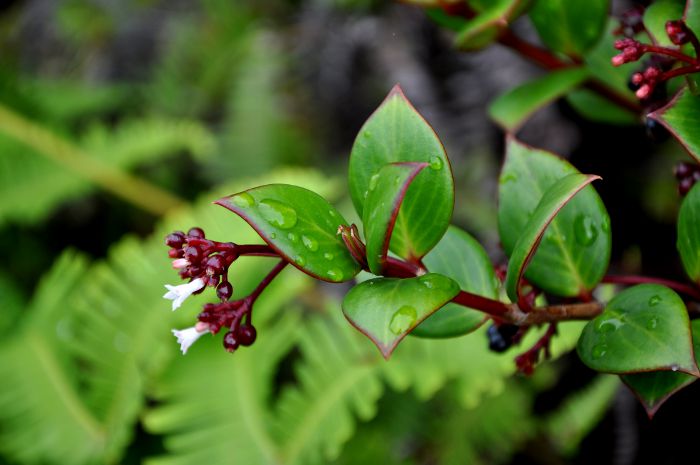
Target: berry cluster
(658, 70)
(230, 315)
(200, 258)
(687, 175)
(205, 263)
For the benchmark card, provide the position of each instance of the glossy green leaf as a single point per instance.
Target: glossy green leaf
(594, 107)
(656, 387)
(689, 233)
(488, 23)
(575, 251)
(387, 190)
(681, 116)
(387, 309)
(643, 328)
(554, 199)
(300, 225)
(396, 132)
(657, 14)
(570, 26)
(513, 108)
(691, 15)
(459, 256)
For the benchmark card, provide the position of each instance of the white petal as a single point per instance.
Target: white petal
(178, 294)
(187, 337)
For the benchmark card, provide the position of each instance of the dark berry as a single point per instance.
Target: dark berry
(678, 32)
(176, 253)
(212, 281)
(196, 232)
(193, 254)
(685, 185)
(683, 170)
(247, 334)
(224, 291)
(655, 130)
(175, 240)
(501, 337)
(230, 341)
(215, 265)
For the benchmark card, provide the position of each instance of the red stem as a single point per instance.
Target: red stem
(669, 52)
(686, 289)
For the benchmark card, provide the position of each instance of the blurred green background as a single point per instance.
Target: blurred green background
(121, 121)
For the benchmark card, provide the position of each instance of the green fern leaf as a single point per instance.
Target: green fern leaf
(42, 417)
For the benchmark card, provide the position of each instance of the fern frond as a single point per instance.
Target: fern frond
(42, 417)
(337, 382)
(37, 184)
(580, 413)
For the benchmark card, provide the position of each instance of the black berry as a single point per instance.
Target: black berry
(231, 341)
(224, 291)
(247, 334)
(501, 337)
(192, 254)
(196, 232)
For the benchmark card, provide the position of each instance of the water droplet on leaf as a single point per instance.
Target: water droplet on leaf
(335, 274)
(403, 319)
(609, 325)
(651, 324)
(508, 177)
(310, 243)
(273, 235)
(654, 300)
(435, 163)
(299, 260)
(243, 200)
(585, 230)
(599, 351)
(675, 367)
(373, 182)
(292, 237)
(278, 214)
(328, 256)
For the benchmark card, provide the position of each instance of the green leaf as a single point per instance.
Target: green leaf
(656, 387)
(657, 14)
(570, 26)
(594, 107)
(485, 27)
(459, 256)
(553, 200)
(300, 225)
(397, 133)
(513, 108)
(681, 116)
(691, 15)
(643, 328)
(387, 309)
(574, 254)
(688, 243)
(387, 190)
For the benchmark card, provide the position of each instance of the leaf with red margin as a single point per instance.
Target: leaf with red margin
(681, 116)
(575, 252)
(553, 200)
(387, 309)
(300, 225)
(642, 329)
(396, 132)
(387, 191)
(656, 387)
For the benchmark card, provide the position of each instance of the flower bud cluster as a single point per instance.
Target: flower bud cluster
(230, 315)
(631, 50)
(197, 257)
(687, 175)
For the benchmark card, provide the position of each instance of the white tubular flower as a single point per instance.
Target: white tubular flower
(180, 263)
(187, 337)
(178, 294)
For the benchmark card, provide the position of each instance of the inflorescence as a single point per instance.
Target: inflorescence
(205, 263)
